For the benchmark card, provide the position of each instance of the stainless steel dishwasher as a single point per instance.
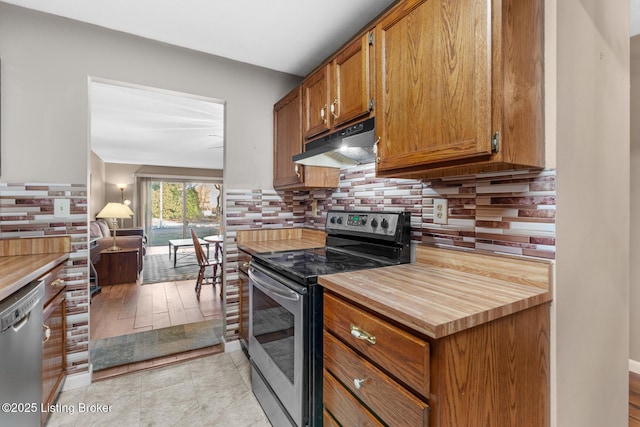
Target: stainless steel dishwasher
(21, 356)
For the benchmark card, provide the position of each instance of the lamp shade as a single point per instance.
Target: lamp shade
(115, 210)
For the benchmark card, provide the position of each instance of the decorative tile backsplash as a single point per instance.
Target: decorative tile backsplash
(501, 212)
(26, 210)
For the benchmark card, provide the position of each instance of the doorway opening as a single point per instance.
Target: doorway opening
(168, 150)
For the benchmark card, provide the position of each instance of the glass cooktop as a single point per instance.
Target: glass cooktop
(304, 266)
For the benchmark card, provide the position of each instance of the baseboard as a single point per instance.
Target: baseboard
(77, 380)
(634, 366)
(231, 346)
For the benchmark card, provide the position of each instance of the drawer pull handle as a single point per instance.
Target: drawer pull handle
(358, 383)
(362, 334)
(57, 282)
(47, 333)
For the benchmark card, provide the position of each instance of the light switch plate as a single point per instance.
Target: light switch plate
(61, 208)
(440, 211)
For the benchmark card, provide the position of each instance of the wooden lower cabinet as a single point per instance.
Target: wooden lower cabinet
(53, 349)
(494, 374)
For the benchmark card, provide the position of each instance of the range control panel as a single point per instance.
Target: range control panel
(375, 223)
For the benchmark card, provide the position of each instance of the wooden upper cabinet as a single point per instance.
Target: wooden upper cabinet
(287, 142)
(316, 102)
(352, 96)
(459, 87)
(340, 91)
(287, 122)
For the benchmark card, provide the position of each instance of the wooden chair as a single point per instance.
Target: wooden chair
(204, 262)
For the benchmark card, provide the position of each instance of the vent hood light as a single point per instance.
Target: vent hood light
(347, 147)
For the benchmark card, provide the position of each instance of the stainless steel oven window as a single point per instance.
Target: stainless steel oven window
(276, 337)
(273, 328)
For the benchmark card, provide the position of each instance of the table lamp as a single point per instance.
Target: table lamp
(115, 210)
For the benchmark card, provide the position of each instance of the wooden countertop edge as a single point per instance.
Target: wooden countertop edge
(13, 281)
(430, 329)
(254, 241)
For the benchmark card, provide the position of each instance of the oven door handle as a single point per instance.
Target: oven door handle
(279, 291)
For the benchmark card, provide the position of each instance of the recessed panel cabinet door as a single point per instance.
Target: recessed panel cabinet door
(351, 82)
(287, 129)
(316, 102)
(433, 68)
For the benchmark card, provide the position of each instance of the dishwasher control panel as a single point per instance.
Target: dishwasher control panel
(18, 305)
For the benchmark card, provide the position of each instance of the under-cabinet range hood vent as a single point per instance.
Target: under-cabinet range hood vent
(344, 148)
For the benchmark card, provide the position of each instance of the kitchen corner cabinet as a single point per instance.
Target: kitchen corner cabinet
(340, 91)
(376, 370)
(459, 87)
(54, 363)
(288, 141)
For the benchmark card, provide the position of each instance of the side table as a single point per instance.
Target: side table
(117, 267)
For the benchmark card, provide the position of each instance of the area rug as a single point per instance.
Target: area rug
(122, 350)
(159, 268)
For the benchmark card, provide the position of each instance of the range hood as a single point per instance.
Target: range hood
(344, 148)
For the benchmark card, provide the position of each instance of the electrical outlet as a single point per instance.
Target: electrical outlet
(440, 211)
(314, 208)
(61, 208)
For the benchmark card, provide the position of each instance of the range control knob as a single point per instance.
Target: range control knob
(374, 223)
(385, 223)
(339, 220)
(333, 220)
(363, 221)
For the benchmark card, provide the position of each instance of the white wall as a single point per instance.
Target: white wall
(591, 301)
(46, 62)
(634, 288)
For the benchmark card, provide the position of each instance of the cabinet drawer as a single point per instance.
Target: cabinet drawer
(342, 406)
(403, 355)
(53, 282)
(385, 397)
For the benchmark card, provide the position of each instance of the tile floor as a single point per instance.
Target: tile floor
(210, 391)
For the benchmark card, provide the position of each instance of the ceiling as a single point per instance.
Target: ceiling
(141, 126)
(138, 126)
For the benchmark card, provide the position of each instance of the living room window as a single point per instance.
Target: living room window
(171, 207)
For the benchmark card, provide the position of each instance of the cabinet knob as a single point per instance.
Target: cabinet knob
(296, 168)
(358, 383)
(57, 282)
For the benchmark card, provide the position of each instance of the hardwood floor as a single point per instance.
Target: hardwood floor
(132, 307)
(634, 399)
(128, 308)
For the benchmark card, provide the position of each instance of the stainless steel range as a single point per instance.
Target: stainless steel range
(285, 318)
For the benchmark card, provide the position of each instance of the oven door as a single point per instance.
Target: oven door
(277, 335)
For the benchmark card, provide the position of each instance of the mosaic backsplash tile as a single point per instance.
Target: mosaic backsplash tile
(26, 210)
(510, 213)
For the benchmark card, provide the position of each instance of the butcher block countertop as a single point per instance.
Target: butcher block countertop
(447, 291)
(23, 260)
(18, 271)
(286, 239)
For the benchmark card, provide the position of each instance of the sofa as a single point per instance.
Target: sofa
(101, 238)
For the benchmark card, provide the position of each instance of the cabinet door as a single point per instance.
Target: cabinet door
(53, 349)
(316, 102)
(287, 139)
(351, 84)
(433, 94)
